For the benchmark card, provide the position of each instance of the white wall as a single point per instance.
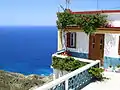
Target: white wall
(114, 19)
(58, 73)
(110, 49)
(111, 45)
(111, 40)
(82, 43)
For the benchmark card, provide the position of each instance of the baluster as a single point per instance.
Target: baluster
(66, 85)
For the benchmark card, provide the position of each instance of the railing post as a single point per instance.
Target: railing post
(66, 84)
(54, 77)
(99, 63)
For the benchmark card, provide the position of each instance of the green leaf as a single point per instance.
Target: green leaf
(88, 22)
(68, 63)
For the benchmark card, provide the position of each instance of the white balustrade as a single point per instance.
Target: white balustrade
(63, 82)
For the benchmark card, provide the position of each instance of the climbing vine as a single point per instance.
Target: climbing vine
(87, 22)
(65, 19)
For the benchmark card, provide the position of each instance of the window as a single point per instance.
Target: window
(71, 39)
(119, 46)
(93, 42)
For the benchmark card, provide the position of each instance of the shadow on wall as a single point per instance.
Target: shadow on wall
(110, 41)
(79, 55)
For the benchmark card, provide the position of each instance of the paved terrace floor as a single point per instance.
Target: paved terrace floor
(112, 84)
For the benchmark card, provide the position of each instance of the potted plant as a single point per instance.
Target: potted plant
(66, 53)
(117, 69)
(110, 68)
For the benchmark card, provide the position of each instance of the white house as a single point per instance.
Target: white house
(104, 45)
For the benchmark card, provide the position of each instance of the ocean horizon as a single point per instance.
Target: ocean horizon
(27, 49)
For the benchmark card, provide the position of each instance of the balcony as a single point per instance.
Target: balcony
(74, 80)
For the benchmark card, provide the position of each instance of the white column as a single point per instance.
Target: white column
(59, 40)
(54, 77)
(66, 85)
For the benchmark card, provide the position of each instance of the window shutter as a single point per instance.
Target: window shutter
(75, 41)
(68, 39)
(119, 46)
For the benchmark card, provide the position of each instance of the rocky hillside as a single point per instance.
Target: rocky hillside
(17, 81)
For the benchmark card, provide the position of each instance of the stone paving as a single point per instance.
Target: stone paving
(113, 83)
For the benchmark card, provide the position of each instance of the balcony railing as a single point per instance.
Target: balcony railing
(74, 80)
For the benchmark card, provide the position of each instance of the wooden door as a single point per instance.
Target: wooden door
(96, 47)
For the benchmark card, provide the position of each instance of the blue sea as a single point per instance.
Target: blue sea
(27, 50)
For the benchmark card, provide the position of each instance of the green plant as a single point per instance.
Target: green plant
(110, 66)
(66, 64)
(118, 66)
(90, 22)
(64, 19)
(87, 22)
(97, 73)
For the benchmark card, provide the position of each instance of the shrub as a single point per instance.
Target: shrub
(97, 73)
(118, 66)
(66, 64)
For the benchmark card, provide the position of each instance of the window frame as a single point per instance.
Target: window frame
(71, 40)
(119, 46)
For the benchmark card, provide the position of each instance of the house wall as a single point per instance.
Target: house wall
(59, 41)
(111, 45)
(114, 19)
(111, 56)
(111, 41)
(82, 45)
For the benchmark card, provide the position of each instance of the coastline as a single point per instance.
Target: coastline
(18, 81)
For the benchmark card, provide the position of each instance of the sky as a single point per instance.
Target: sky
(43, 12)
